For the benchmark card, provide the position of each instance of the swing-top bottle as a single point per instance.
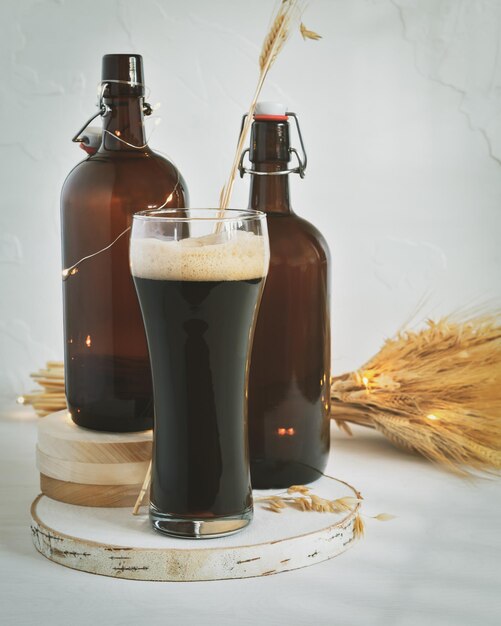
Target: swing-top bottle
(289, 377)
(107, 371)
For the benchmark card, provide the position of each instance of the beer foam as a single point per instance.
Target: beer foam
(240, 255)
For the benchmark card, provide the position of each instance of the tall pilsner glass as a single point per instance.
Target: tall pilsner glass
(199, 276)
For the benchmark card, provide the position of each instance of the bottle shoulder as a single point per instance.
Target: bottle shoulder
(121, 161)
(124, 172)
(291, 234)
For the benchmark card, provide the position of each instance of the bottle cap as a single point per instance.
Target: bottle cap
(272, 111)
(123, 74)
(270, 142)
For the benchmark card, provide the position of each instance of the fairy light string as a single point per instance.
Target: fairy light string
(67, 272)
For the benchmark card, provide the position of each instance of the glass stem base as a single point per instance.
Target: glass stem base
(192, 528)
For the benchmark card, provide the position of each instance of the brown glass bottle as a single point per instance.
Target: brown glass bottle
(107, 370)
(290, 365)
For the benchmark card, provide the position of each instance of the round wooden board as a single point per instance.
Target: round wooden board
(113, 542)
(59, 437)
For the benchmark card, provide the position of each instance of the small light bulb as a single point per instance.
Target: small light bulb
(69, 271)
(21, 400)
(432, 417)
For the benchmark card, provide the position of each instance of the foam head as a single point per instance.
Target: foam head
(238, 255)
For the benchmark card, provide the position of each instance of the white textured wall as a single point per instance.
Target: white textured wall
(400, 107)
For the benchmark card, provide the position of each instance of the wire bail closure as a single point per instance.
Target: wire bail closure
(302, 162)
(105, 110)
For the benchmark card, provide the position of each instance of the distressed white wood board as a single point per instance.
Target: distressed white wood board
(113, 542)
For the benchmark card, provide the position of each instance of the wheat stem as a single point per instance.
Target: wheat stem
(144, 489)
(272, 45)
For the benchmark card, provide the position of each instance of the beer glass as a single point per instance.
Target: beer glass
(199, 275)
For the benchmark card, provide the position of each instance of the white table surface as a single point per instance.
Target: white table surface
(438, 563)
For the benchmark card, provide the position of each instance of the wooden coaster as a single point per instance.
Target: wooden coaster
(112, 542)
(90, 495)
(61, 438)
(88, 467)
(91, 473)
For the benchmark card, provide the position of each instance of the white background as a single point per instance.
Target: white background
(400, 107)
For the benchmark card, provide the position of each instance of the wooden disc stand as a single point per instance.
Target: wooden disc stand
(90, 468)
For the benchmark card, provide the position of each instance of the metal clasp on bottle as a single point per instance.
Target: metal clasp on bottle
(299, 169)
(105, 109)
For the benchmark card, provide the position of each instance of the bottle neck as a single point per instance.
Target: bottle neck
(270, 194)
(124, 123)
(269, 152)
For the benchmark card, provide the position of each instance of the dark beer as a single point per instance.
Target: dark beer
(198, 332)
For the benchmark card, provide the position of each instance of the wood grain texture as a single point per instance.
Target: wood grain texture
(59, 437)
(91, 473)
(195, 561)
(89, 495)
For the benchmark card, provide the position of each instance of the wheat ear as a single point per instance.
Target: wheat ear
(272, 45)
(435, 391)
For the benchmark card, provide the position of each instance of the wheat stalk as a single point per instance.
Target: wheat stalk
(51, 397)
(144, 489)
(272, 45)
(288, 12)
(302, 498)
(435, 391)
